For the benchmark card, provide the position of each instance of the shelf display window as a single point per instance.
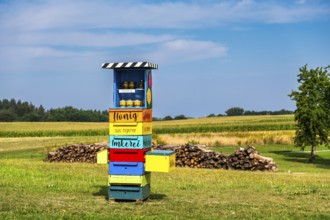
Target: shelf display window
(132, 88)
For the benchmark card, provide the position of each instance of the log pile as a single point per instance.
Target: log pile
(249, 159)
(76, 153)
(198, 156)
(193, 156)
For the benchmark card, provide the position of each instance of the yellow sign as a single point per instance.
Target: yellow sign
(130, 115)
(132, 128)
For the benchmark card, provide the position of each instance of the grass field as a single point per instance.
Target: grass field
(33, 189)
(199, 125)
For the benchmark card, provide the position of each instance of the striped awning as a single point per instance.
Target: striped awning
(146, 65)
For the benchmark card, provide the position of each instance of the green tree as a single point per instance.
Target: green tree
(180, 117)
(7, 115)
(312, 112)
(234, 111)
(167, 118)
(12, 110)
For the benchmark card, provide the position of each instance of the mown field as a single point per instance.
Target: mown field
(199, 125)
(224, 131)
(33, 189)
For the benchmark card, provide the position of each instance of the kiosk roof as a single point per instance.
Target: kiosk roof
(123, 65)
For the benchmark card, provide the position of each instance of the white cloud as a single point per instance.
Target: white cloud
(84, 39)
(300, 1)
(60, 28)
(113, 14)
(187, 50)
(43, 52)
(179, 50)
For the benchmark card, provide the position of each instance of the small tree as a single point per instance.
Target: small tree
(167, 118)
(312, 114)
(235, 111)
(180, 117)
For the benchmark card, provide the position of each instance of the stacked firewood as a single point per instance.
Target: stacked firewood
(198, 156)
(193, 156)
(249, 159)
(76, 153)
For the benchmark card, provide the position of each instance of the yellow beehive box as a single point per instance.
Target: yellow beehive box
(160, 161)
(132, 128)
(102, 157)
(129, 180)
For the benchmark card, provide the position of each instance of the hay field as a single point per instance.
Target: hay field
(215, 131)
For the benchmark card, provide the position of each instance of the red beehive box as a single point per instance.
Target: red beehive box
(127, 155)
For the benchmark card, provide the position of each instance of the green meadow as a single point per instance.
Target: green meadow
(33, 189)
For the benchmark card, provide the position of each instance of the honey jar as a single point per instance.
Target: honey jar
(137, 103)
(141, 84)
(129, 103)
(125, 85)
(131, 85)
(122, 103)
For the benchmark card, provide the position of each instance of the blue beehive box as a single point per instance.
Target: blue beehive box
(129, 192)
(126, 168)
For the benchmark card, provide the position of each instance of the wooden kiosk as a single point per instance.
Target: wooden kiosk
(130, 156)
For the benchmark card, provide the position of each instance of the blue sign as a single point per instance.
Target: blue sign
(131, 142)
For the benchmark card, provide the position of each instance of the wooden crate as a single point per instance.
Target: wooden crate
(129, 192)
(160, 161)
(131, 128)
(102, 157)
(130, 115)
(130, 142)
(127, 155)
(129, 180)
(126, 168)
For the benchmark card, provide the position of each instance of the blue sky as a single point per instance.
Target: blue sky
(212, 55)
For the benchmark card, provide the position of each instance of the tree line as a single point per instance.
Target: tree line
(238, 111)
(12, 110)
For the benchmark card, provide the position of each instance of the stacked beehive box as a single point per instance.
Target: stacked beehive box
(130, 130)
(130, 139)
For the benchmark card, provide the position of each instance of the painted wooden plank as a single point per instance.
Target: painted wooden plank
(129, 192)
(127, 155)
(130, 115)
(130, 142)
(131, 128)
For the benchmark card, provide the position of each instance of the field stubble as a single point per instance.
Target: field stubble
(230, 138)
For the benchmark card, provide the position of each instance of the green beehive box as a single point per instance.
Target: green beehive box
(129, 192)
